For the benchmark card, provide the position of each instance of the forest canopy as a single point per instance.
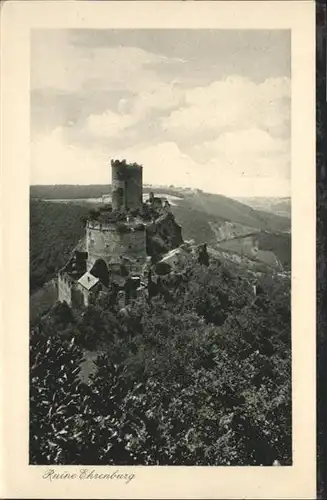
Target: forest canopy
(199, 375)
(54, 232)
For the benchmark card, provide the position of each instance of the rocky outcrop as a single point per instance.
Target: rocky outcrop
(228, 230)
(247, 241)
(162, 235)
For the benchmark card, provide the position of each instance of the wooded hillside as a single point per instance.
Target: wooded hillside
(55, 229)
(200, 375)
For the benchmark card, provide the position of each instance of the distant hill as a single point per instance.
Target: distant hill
(206, 217)
(73, 191)
(228, 209)
(195, 223)
(57, 227)
(213, 205)
(277, 206)
(67, 191)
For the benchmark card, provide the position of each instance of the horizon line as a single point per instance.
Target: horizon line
(182, 188)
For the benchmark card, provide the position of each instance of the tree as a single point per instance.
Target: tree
(108, 416)
(203, 379)
(56, 400)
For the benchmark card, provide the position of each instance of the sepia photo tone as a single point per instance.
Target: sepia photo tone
(160, 247)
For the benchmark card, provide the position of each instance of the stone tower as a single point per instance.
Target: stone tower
(111, 241)
(126, 180)
(114, 237)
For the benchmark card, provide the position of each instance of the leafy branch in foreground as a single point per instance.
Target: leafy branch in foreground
(203, 379)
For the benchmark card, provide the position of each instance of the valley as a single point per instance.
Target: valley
(208, 337)
(277, 206)
(221, 222)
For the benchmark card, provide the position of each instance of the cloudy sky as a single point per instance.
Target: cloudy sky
(200, 108)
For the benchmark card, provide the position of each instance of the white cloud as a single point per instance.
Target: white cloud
(250, 155)
(243, 118)
(108, 124)
(133, 110)
(164, 163)
(234, 103)
(249, 174)
(58, 64)
(251, 140)
(53, 161)
(162, 97)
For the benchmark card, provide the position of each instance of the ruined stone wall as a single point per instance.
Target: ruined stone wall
(64, 289)
(72, 292)
(163, 235)
(107, 242)
(118, 187)
(118, 194)
(134, 189)
(78, 296)
(82, 293)
(127, 189)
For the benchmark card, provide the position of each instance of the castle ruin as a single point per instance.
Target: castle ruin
(127, 186)
(117, 251)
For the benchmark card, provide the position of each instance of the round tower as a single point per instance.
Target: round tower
(111, 242)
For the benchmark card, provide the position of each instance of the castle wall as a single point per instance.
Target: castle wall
(104, 241)
(83, 293)
(127, 188)
(118, 193)
(73, 292)
(134, 181)
(79, 298)
(64, 289)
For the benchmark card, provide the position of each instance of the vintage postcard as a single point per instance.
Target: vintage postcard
(158, 249)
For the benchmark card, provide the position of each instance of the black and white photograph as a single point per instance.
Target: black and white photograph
(160, 247)
(158, 204)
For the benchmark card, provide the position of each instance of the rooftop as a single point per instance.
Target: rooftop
(88, 281)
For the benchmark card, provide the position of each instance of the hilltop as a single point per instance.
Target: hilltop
(277, 206)
(191, 369)
(212, 204)
(215, 206)
(221, 222)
